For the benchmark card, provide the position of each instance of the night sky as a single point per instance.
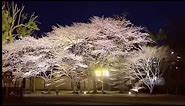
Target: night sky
(153, 15)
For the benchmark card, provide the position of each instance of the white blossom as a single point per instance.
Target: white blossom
(74, 48)
(146, 65)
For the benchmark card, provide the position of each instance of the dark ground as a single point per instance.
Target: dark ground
(96, 99)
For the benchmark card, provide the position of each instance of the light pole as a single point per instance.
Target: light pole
(177, 61)
(102, 72)
(177, 77)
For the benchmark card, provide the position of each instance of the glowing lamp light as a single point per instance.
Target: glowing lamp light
(106, 73)
(129, 93)
(85, 92)
(101, 72)
(98, 73)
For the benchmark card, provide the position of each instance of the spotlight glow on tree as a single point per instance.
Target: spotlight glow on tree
(101, 72)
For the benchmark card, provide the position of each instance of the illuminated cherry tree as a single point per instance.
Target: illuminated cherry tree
(103, 38)
(149, 64)
(92, 43)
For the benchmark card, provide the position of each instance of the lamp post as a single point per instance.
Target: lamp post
(102, 72)
(177, 77)
(177, 71)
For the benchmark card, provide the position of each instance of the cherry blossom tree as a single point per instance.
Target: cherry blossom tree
(77, 47)
(149, 64)
(120, 76)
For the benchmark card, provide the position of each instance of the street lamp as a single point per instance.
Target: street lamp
(178, 58)
(102, 72)
(172, 52)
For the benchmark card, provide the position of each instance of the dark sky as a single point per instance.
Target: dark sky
(153, 15)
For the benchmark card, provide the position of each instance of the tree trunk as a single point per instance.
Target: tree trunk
(88, 81)
(89, 85)
(102, 84)
(151, 90)
(84, 85)
(120, 88)
(74, 86)
(56, 90)
(30, 86)
(94, 85)
(74, 83)
(33, 84)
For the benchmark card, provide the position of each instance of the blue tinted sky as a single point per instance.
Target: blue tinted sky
(153, 15)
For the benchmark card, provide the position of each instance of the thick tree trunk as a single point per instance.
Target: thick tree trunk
(88, 81)
(89, 85)
(74, 86)
(120, 88)
(151, 90)
(33, 84)
(84, 85)
(74, 83)
(94, 85)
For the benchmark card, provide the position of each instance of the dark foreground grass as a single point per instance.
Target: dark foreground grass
(96, 99)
